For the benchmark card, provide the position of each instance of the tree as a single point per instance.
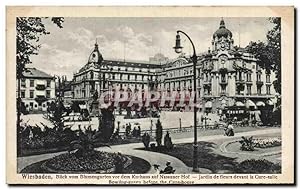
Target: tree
(107, 123)
(29, 30)
(56, 114)
(269, 53)
(158, 133)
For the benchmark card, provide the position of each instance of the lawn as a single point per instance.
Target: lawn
(210, 159)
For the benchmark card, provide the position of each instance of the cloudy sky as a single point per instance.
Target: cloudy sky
(64, 51)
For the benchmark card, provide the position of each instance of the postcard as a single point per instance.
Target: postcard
(150, 95)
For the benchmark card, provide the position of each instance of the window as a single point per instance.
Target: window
(248, 89)
(239, 76)
(268, 89)
(268, 78)
(23, 94)
(258, 77)
(248, 77)
(48, 83)
(31, 94)
(31, 83)
(259, 90)
(223, 79)
(23, 83)
(48, 93)
(92, 75)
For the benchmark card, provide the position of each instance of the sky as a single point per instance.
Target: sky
(65, 50)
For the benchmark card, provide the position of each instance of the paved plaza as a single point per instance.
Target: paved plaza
(168, 120)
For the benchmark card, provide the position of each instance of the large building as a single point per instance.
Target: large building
(37, 89)
(115, 74)
(226, 75)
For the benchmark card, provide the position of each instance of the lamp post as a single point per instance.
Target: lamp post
(178, 49)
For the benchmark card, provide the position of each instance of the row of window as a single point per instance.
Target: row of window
(120, 76)
(131, 69)
(181, 72)
(31, 94)
(249, 89)
(31, 83)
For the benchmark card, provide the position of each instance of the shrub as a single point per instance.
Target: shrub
(146, 140)
(247, 144)
(158, 133)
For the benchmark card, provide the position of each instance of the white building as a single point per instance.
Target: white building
(37, 89)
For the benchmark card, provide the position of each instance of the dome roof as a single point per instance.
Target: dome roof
(222, 31)
(95, 56)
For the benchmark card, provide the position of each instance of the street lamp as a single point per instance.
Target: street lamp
(178, 49)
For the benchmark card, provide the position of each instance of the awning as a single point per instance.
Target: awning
(208, 104)
(270, 102)
(260, 103)
(223, 104)
(82, 106)
(250, 103)
(239, 104)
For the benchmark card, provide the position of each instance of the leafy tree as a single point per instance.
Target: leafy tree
(56, 112)
(107, 124)
(29, 30)
(269, 53)
(85, 144)
(158, 133)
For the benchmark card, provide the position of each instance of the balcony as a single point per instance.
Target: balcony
(40, 99)
(223, 70)
(224, 94)
(223, 82)
(207, 95)
(240, 81)
(40, 87)
(259, 83)
(207, 82)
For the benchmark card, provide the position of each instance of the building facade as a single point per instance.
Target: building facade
(37, 90)
(226, 75)
(114, 74)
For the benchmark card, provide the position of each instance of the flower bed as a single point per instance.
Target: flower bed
(258, 166)
(267, 142)
(99, 162)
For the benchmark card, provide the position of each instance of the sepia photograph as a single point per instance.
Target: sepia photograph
(182, 98)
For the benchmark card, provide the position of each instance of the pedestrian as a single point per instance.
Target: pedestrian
(139, 131)
(134, 132)
(229, 130)
(169, 169)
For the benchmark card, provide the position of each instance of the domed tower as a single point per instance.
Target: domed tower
(222, 38)
(96, 56)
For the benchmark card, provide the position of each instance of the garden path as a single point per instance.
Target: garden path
(151, 157)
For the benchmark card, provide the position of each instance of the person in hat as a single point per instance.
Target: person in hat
(169, 169)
